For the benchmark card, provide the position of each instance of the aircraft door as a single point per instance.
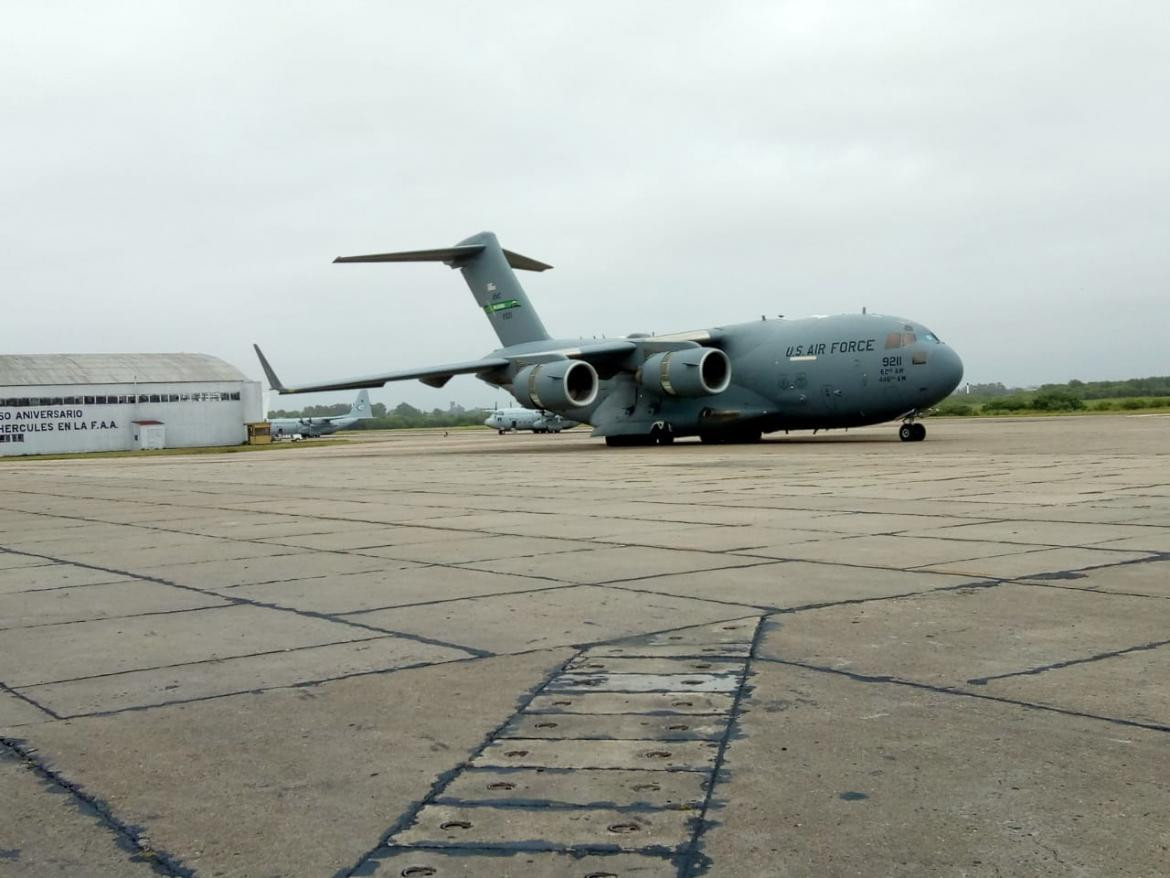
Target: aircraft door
(831, 398)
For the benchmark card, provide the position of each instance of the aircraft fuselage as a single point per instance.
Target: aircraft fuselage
(841, 371)
(310, 426)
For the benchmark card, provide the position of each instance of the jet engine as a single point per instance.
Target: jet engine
(689, 372)
(559, 385)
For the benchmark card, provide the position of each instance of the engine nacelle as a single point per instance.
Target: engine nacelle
(559, 386)
(689, 372)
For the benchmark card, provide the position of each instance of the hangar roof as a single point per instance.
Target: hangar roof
(18, 370)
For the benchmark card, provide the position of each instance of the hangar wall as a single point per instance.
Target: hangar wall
(65, 403)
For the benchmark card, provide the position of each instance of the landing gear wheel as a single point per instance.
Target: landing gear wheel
(501, 432)
(906, 432)
(918, 431)
(661, 434)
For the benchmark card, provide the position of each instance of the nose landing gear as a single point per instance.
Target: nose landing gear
(911, 432)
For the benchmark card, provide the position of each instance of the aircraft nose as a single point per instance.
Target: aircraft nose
(950, 369)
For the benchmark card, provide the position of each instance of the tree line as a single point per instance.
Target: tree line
(1129, 394)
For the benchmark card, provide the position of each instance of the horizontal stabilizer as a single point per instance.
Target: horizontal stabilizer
(451, 255)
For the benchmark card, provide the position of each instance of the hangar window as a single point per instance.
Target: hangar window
(89, 400)
(236, 395)
(174, 397)
(184, 397)
(58, 400)
(35, 400)
(154, 397)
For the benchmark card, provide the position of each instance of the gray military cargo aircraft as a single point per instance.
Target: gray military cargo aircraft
(723, 384)
(359, 410)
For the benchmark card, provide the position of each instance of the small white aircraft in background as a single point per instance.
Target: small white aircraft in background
(507, 420)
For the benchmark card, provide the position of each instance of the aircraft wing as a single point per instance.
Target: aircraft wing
(435, 376)
(592, 353)
(610, 354)
(616, 349)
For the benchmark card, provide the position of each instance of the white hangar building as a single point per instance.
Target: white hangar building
(63, 403)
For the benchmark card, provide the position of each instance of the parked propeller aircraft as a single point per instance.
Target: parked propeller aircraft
(323, 426)
(536, 420)
(727, 383)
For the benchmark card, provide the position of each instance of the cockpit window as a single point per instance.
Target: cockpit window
(930, 336)
(900, 340)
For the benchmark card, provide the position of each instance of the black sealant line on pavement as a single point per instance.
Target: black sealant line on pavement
(207, 661)
(520, 766)
(469, 597)
(845, 602)
(488, 496)
(511, 849)
(964, 693)
(238, 601)
(693, 861)
(128, 838)
(1037, 546)
(927, 516)
(376, 672)
(67, 622)
(521, 804)
(22, 697)
(673, 739)
(301, 684)
(297, 516)
(1091, 590)
(1068, 663)
(367, 862)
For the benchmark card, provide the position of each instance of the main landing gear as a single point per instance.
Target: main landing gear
(660, 434)
(912, 432)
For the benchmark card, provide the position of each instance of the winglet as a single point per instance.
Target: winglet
(273, 381)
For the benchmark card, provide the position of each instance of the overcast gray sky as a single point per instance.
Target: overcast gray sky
(178, 176)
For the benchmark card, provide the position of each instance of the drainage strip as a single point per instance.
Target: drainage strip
(603, 774)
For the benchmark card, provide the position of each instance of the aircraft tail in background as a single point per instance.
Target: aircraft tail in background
(360, 408)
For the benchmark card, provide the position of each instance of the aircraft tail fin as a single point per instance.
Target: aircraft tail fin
(360, 408)
(487, 270)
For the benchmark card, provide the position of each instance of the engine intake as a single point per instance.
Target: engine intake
(558, 386)
(689, 372)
